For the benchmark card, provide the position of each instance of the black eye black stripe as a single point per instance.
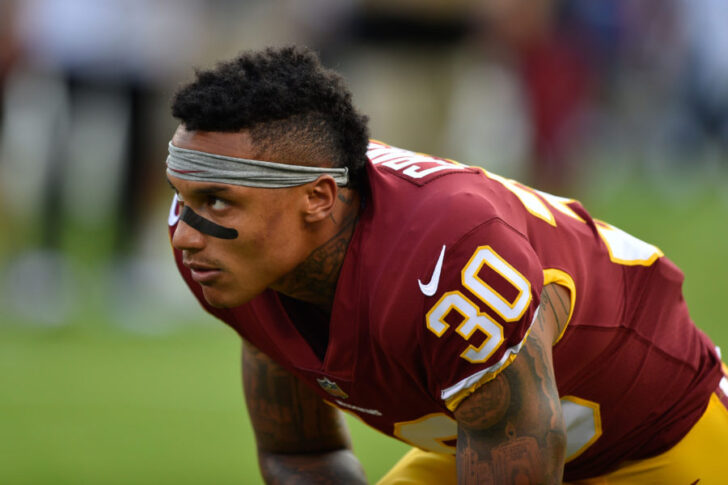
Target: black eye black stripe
(206, 226)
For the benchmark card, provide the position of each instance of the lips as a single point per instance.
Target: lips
(203, 274)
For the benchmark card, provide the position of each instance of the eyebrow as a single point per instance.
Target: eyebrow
(209, 190)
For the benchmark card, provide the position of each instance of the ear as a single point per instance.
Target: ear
(320, 199)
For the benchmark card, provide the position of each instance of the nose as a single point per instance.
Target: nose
(186, 237)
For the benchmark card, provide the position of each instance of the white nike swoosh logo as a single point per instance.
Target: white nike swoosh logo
(430, 288)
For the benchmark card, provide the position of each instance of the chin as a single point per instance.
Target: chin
(225, 299)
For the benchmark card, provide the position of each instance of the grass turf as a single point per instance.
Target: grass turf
(103, 406)
(89, 403)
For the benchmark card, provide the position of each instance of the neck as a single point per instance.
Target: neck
(314, 280)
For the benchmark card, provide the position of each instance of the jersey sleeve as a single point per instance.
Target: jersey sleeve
(479, 317)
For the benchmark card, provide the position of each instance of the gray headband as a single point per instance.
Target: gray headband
(210, 167)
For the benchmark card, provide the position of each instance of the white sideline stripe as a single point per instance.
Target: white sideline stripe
(473, 379)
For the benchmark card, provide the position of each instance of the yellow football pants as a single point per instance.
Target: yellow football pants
(701, 457)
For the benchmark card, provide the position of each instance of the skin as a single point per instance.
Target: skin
(294, 241)
(300, 439)
(291, 240)
(511, 430)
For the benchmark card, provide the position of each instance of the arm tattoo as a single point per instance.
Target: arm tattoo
(300, 438)
(287, 416)
(511, 429)
(333, 468)
(556, 300)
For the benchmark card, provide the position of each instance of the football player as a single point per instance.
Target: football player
(501, 331)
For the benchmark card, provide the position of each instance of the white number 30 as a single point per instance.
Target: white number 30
(471, 319)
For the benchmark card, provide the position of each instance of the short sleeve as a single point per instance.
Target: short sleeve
(478, 318)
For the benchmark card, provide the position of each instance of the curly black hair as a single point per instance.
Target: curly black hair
(287, 100)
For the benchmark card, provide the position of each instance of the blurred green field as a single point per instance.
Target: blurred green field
(89, 403)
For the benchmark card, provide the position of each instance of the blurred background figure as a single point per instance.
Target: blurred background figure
(562, 55)
(83, 112)
(397, 57)
(552, 92)
(698, 125)
(547, 92)
(8, 46)
(619, 103)
(512, 86)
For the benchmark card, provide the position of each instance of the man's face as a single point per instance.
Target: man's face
(271, 232)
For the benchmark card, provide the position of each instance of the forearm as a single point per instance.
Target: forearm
(522, 459)
(333, 467)
(511, 430)
(300, 439)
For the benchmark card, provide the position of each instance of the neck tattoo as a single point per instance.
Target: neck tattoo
(314, 280)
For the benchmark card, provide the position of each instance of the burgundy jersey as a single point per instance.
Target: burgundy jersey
(438, 291)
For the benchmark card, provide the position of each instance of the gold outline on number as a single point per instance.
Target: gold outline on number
(527, 197)
(476, 327)
(444, 314)
(475, 277)
(605, 226)
(400, 424)
(597, 416)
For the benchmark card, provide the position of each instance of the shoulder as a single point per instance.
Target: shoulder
(455, 303)
(476, 321)
(437, 192)
(417, 169)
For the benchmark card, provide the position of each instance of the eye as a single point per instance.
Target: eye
(217, 204)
